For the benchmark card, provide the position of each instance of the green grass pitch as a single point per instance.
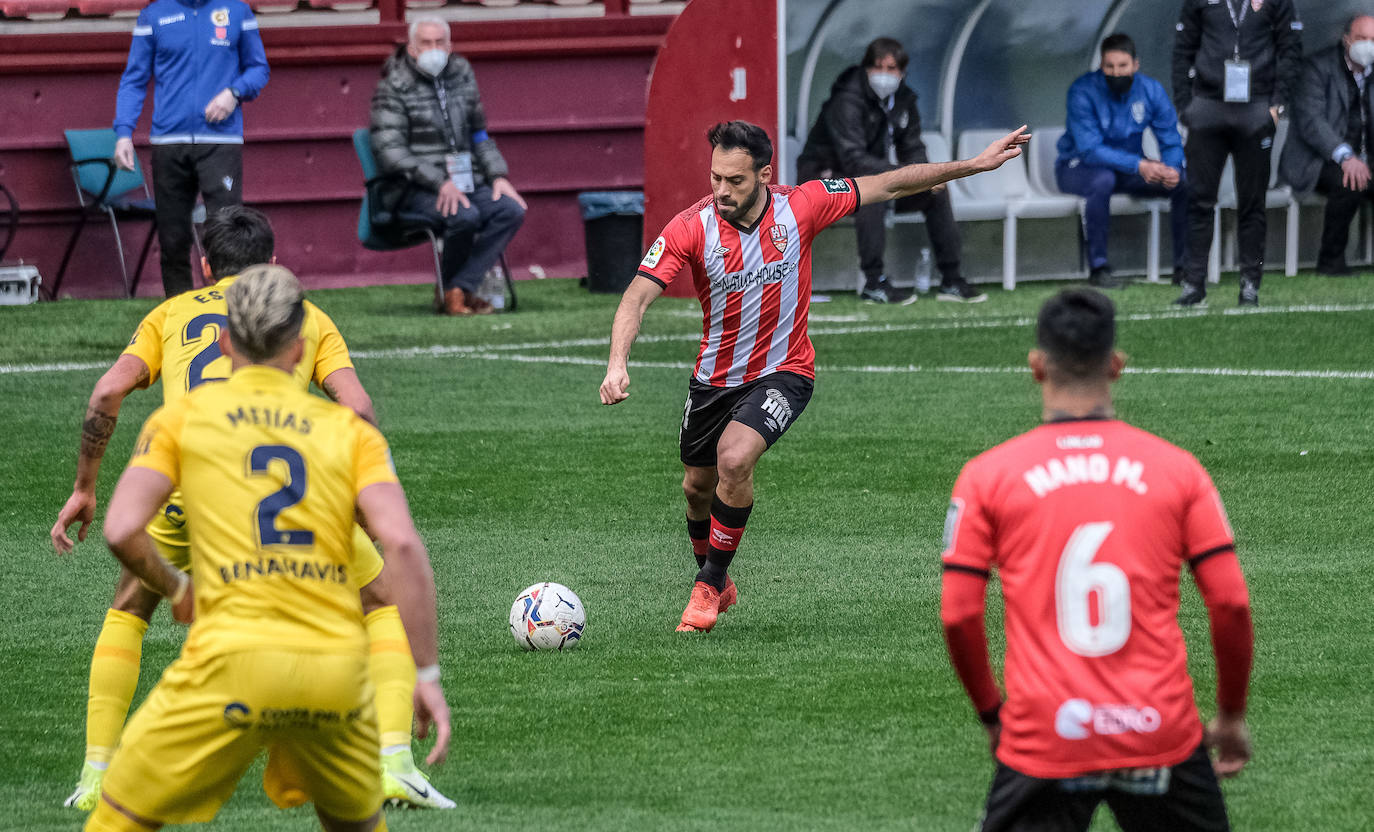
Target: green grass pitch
(824, 701)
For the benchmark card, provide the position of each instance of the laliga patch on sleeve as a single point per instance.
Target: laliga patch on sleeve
(655, 252)
(956, 509)
(836, 186)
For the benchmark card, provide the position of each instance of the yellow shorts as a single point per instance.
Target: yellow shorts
(172, 536)
(187, 747)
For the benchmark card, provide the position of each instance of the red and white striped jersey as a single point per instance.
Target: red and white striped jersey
(754, 283)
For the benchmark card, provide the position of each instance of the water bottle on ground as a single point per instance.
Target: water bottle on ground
(923, 272)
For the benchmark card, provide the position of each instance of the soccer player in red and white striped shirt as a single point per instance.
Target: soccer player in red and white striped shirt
(747, 249)
(1088, 522)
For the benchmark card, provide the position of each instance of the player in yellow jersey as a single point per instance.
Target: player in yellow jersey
(277, 656)
(178, 341)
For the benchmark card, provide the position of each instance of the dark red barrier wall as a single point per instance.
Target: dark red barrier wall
(565, 99)
(692, 88)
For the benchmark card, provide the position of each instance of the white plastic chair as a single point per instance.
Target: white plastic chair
(1003, 194)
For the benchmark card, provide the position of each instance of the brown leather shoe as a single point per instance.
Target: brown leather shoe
(454, 302)
(478, 305)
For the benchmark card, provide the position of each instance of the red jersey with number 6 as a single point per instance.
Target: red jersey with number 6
(1089, 523)
(754, 283)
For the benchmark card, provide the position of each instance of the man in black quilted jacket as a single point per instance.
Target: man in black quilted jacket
(870, 125)
(429, 129)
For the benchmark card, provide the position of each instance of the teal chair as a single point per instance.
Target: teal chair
(102, 188)
(383, 228)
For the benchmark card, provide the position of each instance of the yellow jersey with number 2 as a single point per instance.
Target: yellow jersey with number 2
(179, 341)
(271, 475)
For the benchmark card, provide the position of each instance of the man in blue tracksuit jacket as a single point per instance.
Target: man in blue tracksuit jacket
(1100, 153)
(205, 58)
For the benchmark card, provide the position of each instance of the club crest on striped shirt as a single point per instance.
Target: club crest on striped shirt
(779, 235)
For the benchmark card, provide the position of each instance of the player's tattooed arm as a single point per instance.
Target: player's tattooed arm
(96, 432)
(344, 387)
(102, 415)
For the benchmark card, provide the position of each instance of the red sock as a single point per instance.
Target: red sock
(727, 527)
(699, 531)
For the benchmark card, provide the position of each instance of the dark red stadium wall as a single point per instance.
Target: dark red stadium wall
(692, 88)
(565, 99)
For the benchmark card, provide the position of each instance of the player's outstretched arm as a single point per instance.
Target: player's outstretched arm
(1223, 589)
(102, 414)
(137, 497)
(344, 387)
(913, 179)
(383, 505)
(628, 316)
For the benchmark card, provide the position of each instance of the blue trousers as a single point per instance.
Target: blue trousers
(1096, 185)
(474, 237)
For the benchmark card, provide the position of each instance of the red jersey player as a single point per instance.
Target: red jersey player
(747, 250)
(1088, 522)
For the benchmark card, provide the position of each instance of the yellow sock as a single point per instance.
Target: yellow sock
(106, 818)
(393, 675)
(114, 678)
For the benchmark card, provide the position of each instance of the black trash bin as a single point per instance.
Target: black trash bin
(614, 226)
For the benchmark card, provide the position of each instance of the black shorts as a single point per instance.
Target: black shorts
(1181, 798)
(769, 405)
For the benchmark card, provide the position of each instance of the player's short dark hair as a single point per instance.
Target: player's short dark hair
(1077, 330)
(741, 135)
(235, 238)
(884, 47)
(1118, 42)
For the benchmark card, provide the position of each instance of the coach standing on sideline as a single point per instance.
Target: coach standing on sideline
(1236, 66)
(205, 58)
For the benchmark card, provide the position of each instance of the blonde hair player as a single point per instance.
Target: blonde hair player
(277, 656)
(179, 342)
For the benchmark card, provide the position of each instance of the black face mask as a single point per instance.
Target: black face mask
(1119, 84)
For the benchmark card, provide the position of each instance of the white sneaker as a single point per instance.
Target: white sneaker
(403, 783)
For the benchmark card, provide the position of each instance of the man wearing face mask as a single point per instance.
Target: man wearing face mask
(870, 125)
(1333, 135)
(428, 125)
(1101, 154)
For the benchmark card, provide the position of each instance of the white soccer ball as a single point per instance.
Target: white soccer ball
(547, 616)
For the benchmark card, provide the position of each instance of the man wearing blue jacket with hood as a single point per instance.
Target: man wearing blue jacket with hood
(1100, 153)
(205, 58)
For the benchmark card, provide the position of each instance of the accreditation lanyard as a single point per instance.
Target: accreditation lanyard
(458, 164)
(1237, 84)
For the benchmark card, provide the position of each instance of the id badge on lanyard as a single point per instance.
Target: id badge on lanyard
(1236, 89)
(459, 167)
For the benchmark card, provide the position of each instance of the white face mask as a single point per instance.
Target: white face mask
(432, 61)
(884, 83)
(1362, 52)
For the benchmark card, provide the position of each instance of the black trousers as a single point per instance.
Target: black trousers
(180, 171)
(871, 231)
(870, 228)
(1342, 204)
(1244, 132)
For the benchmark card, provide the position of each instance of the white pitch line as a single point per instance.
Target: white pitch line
(492, 351)
(60, 367)
(1233, 372)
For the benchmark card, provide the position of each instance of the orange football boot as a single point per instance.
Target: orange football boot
(729, 596)
(702, 609)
